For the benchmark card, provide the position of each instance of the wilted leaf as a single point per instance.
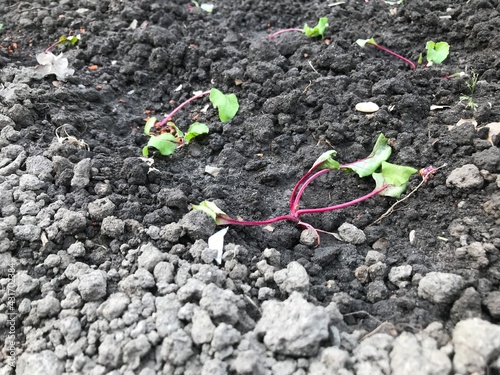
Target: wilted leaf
(365, 167)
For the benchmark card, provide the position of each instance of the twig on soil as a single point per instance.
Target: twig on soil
(426, 174)
(313, 67)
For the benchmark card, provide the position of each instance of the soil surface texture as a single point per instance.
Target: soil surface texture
(105, 268)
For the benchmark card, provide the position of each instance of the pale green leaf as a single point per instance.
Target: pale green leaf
(365, 167)
(363, 42)
(195, 129)
(437, 52)
(227, 104)
(395, 177)
(325, 161)
(318, 30)
(149, 124)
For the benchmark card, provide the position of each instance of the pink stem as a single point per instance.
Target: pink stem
(296, 201)
(297, 185)
(224, 220)
(49, 48)
(343, 205)
(284, 31)
(169, 117)
(396, 55)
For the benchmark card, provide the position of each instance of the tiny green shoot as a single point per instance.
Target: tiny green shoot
(64, 40)
(1, 26)
(312, 32)
(166, 137)
(391, 180)
(469, 99)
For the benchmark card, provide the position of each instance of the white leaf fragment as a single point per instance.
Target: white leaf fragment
(435, 107)
(216, 242)
(367, 107)
(52, 64)
(213, 171)
(207, 7)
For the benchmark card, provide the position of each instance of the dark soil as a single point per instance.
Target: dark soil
(297, 100)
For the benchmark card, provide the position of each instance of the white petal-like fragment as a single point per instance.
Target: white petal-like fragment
(213, 171)
(45, 58)
(367, 107)
(216, 242)
(51, 64)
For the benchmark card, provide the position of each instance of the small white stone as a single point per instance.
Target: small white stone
(367, 107)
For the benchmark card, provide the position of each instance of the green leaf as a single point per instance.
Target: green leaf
(226, 104)
(145, 151)
(213, 211)
(395, 177)
(68, 40)
(165, 143)
(365, 167)
(149, 124)
(437, 52)
(318, 30)
(325, 161)
(363, 42)
(195, 129)
(178, 131)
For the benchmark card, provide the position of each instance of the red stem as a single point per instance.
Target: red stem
(297, 185)
(342, 205)
(396, 55)
(49, 48)
(262, 222)
(296, 201)
(171, 114)
(284, 31)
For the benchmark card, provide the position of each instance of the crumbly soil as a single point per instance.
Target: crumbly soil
(297, 100)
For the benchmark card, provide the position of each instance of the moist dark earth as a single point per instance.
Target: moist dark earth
(106, 269)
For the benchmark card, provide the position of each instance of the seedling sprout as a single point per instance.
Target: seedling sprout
(436, 52)
(64, 40)
(390, 180)
(166, 137)
(469, 99)
(312, 32)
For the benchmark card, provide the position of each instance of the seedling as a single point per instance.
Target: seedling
(312, 32)
(436, 52)
(390, 180)
(469, 99)
(64, 40)
(166, 137)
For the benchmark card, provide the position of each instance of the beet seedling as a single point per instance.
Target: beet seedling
(390, 180)
(312, 32)
(436, 52)
(166, 137)
(64, 40)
